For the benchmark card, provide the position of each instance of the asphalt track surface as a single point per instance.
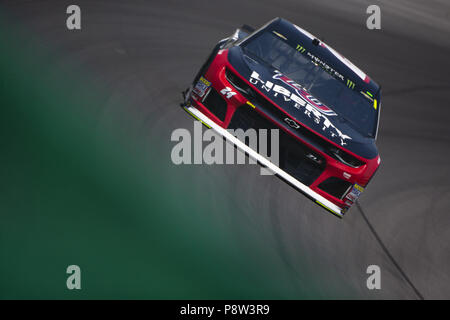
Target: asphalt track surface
(147, 52)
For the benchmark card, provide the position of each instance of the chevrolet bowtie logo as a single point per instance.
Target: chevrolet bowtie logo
(292, 123)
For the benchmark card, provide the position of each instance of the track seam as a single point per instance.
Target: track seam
(385, 249)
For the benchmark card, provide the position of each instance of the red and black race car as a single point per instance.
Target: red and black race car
(326, 109)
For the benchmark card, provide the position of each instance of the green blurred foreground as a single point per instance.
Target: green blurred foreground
(73, 195)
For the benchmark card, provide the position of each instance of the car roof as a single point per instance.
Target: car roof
(323, 54)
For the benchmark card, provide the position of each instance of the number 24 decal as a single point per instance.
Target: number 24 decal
(228, 92)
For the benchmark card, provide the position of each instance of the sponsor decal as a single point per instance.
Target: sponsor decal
(350, 84)
(368, 95)
(319, 62)
(303, 101)
(325, 66)
(354, 194)
(300, 49)
(343, 59)
(347, 62)
(358, 187)
(201, 87)
(304, 94)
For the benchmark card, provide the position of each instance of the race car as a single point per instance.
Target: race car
(326, 109)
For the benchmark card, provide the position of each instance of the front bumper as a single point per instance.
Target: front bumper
(322, 201)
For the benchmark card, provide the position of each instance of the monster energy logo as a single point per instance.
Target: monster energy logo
(350, 84)
(300, 49)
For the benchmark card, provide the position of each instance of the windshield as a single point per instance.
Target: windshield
(355, 107)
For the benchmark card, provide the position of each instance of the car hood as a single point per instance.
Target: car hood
(301, 105)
